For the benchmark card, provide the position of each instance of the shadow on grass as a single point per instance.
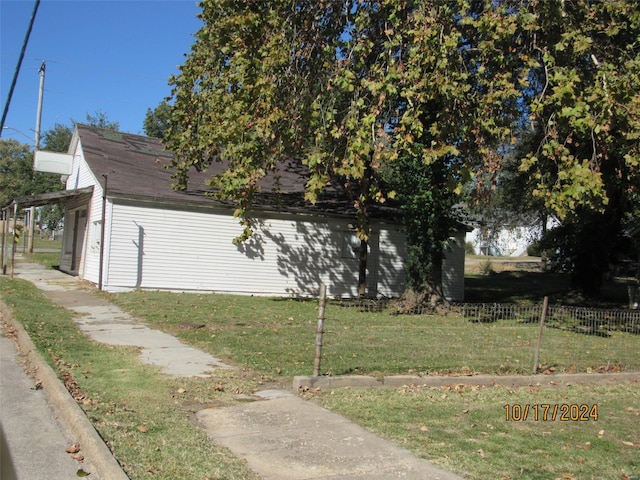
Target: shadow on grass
(532, 287)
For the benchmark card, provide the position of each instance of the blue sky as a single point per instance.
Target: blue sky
(101, 56)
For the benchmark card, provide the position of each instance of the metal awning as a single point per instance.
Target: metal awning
(49, 197)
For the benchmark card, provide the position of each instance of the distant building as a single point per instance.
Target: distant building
(510, 239)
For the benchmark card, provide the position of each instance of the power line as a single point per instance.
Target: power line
(17, 71)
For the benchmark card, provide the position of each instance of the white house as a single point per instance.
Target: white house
(508, 238)
(126, 228)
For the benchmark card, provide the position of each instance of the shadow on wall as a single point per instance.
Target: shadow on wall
(318, 253)
(140, 246)
(253, 247)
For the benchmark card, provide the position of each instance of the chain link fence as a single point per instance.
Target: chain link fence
(591, 321)
(362, 336)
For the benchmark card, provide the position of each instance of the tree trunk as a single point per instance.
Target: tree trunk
(596, 240)
(428, 294)
(362, 271)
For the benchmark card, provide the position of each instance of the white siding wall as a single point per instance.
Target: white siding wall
(81, 176)
(94, 226)
(391, 269)
(161, 248)
(453, 269)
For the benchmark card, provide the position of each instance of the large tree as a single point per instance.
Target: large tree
(444, 88)
(348, 87)
(583, 103)
(17, 177)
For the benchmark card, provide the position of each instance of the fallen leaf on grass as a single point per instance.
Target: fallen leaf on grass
(629, 444)
(142, 429)
(424, 428)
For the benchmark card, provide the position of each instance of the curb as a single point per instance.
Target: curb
(66, 408)
(396, 381)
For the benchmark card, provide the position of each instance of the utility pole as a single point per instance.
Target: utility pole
(39, 113)
(36, 147)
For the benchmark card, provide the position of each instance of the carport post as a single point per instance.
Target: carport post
(32, 229)
(3, 261)
(13, 246)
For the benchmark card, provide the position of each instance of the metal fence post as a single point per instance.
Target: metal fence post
(543, 316)
(320, 330)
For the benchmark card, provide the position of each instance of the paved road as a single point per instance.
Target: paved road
(35, 440)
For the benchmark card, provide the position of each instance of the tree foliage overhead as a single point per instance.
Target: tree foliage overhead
(357, 88)
(584, 102)
(345, 86)
(580, 156)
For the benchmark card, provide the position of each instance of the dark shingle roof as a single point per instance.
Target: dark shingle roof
(135, 168)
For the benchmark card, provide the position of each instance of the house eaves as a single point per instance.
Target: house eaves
(269, 203)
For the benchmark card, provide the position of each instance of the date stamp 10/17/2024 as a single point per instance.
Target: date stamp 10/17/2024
(549, 412)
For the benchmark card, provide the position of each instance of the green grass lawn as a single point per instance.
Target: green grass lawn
(464, 429)
(276, 337)
(147, 418)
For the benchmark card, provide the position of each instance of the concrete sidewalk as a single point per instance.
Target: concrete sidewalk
(288, 438)
(279, 435)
